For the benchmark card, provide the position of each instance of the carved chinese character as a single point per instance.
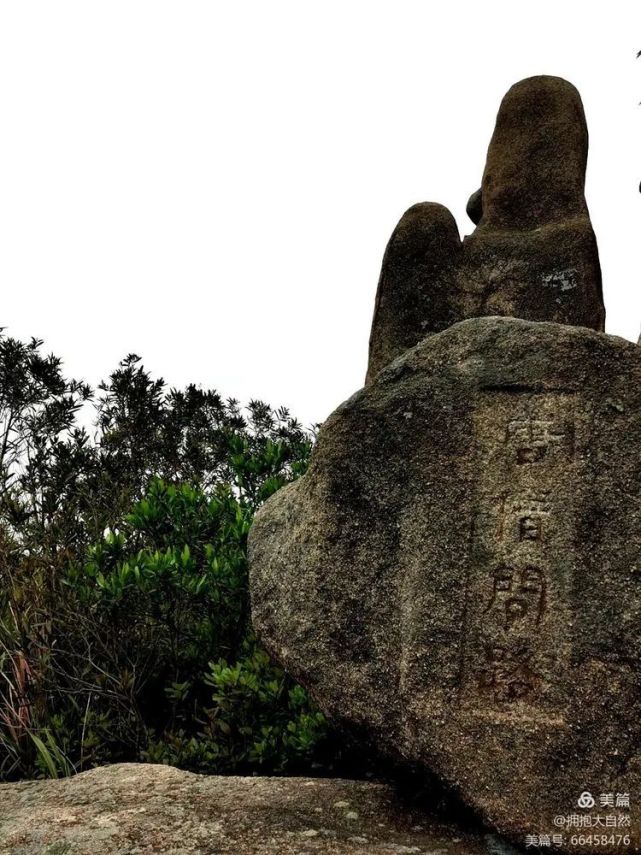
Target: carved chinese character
(517, 594)
(508, 673)
(532, 438)
(530, 528)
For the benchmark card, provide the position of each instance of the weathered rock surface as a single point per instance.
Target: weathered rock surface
(416, 294)
(474, 207)
(458, 576)
(533, 254)
(147, 809)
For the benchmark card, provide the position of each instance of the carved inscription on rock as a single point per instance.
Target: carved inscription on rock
(518, 618)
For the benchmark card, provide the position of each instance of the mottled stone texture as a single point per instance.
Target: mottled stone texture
(533, 254)
(132, 809)
(458, 576)
(416, 294)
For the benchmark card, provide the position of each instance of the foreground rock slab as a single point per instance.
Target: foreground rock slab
(458, 576)
(145, 809)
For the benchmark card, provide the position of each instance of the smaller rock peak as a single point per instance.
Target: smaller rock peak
(533, 254)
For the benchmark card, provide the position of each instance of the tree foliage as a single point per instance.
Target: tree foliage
(124, 608)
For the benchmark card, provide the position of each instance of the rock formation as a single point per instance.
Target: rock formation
(458, 576)
(533, 254)
(148, 809)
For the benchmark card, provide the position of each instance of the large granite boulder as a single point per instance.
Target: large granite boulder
(533, 254)
(458, 576)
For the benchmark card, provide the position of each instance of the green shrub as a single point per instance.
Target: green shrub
(258, 719)
(151, 655)
(187, 680)
(124, 608)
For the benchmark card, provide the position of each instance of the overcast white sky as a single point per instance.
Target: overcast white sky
(212, 185)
